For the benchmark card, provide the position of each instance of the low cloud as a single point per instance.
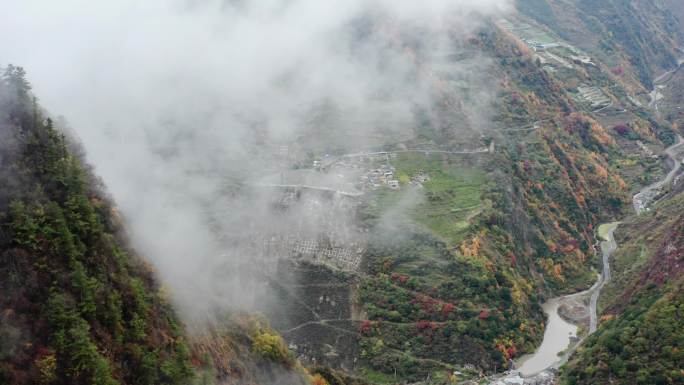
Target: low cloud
(188, 109)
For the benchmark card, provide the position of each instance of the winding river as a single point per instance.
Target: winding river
(557, 337)
(560, 334)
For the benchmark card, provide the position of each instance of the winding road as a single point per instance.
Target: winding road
(349, 194)
(661, 82)
(608, 245)
(648, 194)
(557, 346)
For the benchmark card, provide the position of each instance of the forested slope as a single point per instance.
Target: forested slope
(434, 301)
(457, 287)
(77, 305)
(677, 9)
(638, 36)
(641, 340)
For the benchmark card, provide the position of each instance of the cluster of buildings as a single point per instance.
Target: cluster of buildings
(376, 178)
(420, 178)
(551, 52)
(554, 55)
(372, 176)
(539, 46)
(385, 176)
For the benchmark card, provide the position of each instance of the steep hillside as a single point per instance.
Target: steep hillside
(677, 9)
(641, 338)
(638, 37)
(77, 306)
(453, 281)
(669, 96)
(461, 226)
(640, 334)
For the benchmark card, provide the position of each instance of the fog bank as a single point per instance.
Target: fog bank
(189, 108)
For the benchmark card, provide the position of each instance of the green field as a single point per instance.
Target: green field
(604, 229)
(450, 196)
(435, 216)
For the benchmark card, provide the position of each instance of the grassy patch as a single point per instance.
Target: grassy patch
(450, 196)
(605, 228)
(442, 207)
(376, 377)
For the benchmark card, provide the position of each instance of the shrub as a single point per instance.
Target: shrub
(621, 129)
(317, 379)
(366, 327)
(617, 71)
(271, 347)
(46, 363)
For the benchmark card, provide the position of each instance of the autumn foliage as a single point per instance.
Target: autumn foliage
(621, 129)
(366, 327)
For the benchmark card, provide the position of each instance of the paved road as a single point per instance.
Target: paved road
(363, 154)
(641, 202)
(333, 160)
(662, 78)
(608, 246)
(661, 81)
(646, 196)
(349, 194)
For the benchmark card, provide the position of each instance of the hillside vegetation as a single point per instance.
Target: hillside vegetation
(458, 256)
(77, 305)
(458, 291)
(638, 36)
(641, 339)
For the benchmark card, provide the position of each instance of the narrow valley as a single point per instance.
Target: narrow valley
(376, 192)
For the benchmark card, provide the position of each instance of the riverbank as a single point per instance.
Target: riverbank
(569, 315)
(560, 339)
(572, 318)
(559, 334)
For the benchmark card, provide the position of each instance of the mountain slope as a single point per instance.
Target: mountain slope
(677, 9)
(638, 36)
(454, 283)
(641, 340)
(77, 305)
(451, 283)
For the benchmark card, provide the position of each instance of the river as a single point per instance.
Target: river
(557, 337)
(560, 334)
(557, 344)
